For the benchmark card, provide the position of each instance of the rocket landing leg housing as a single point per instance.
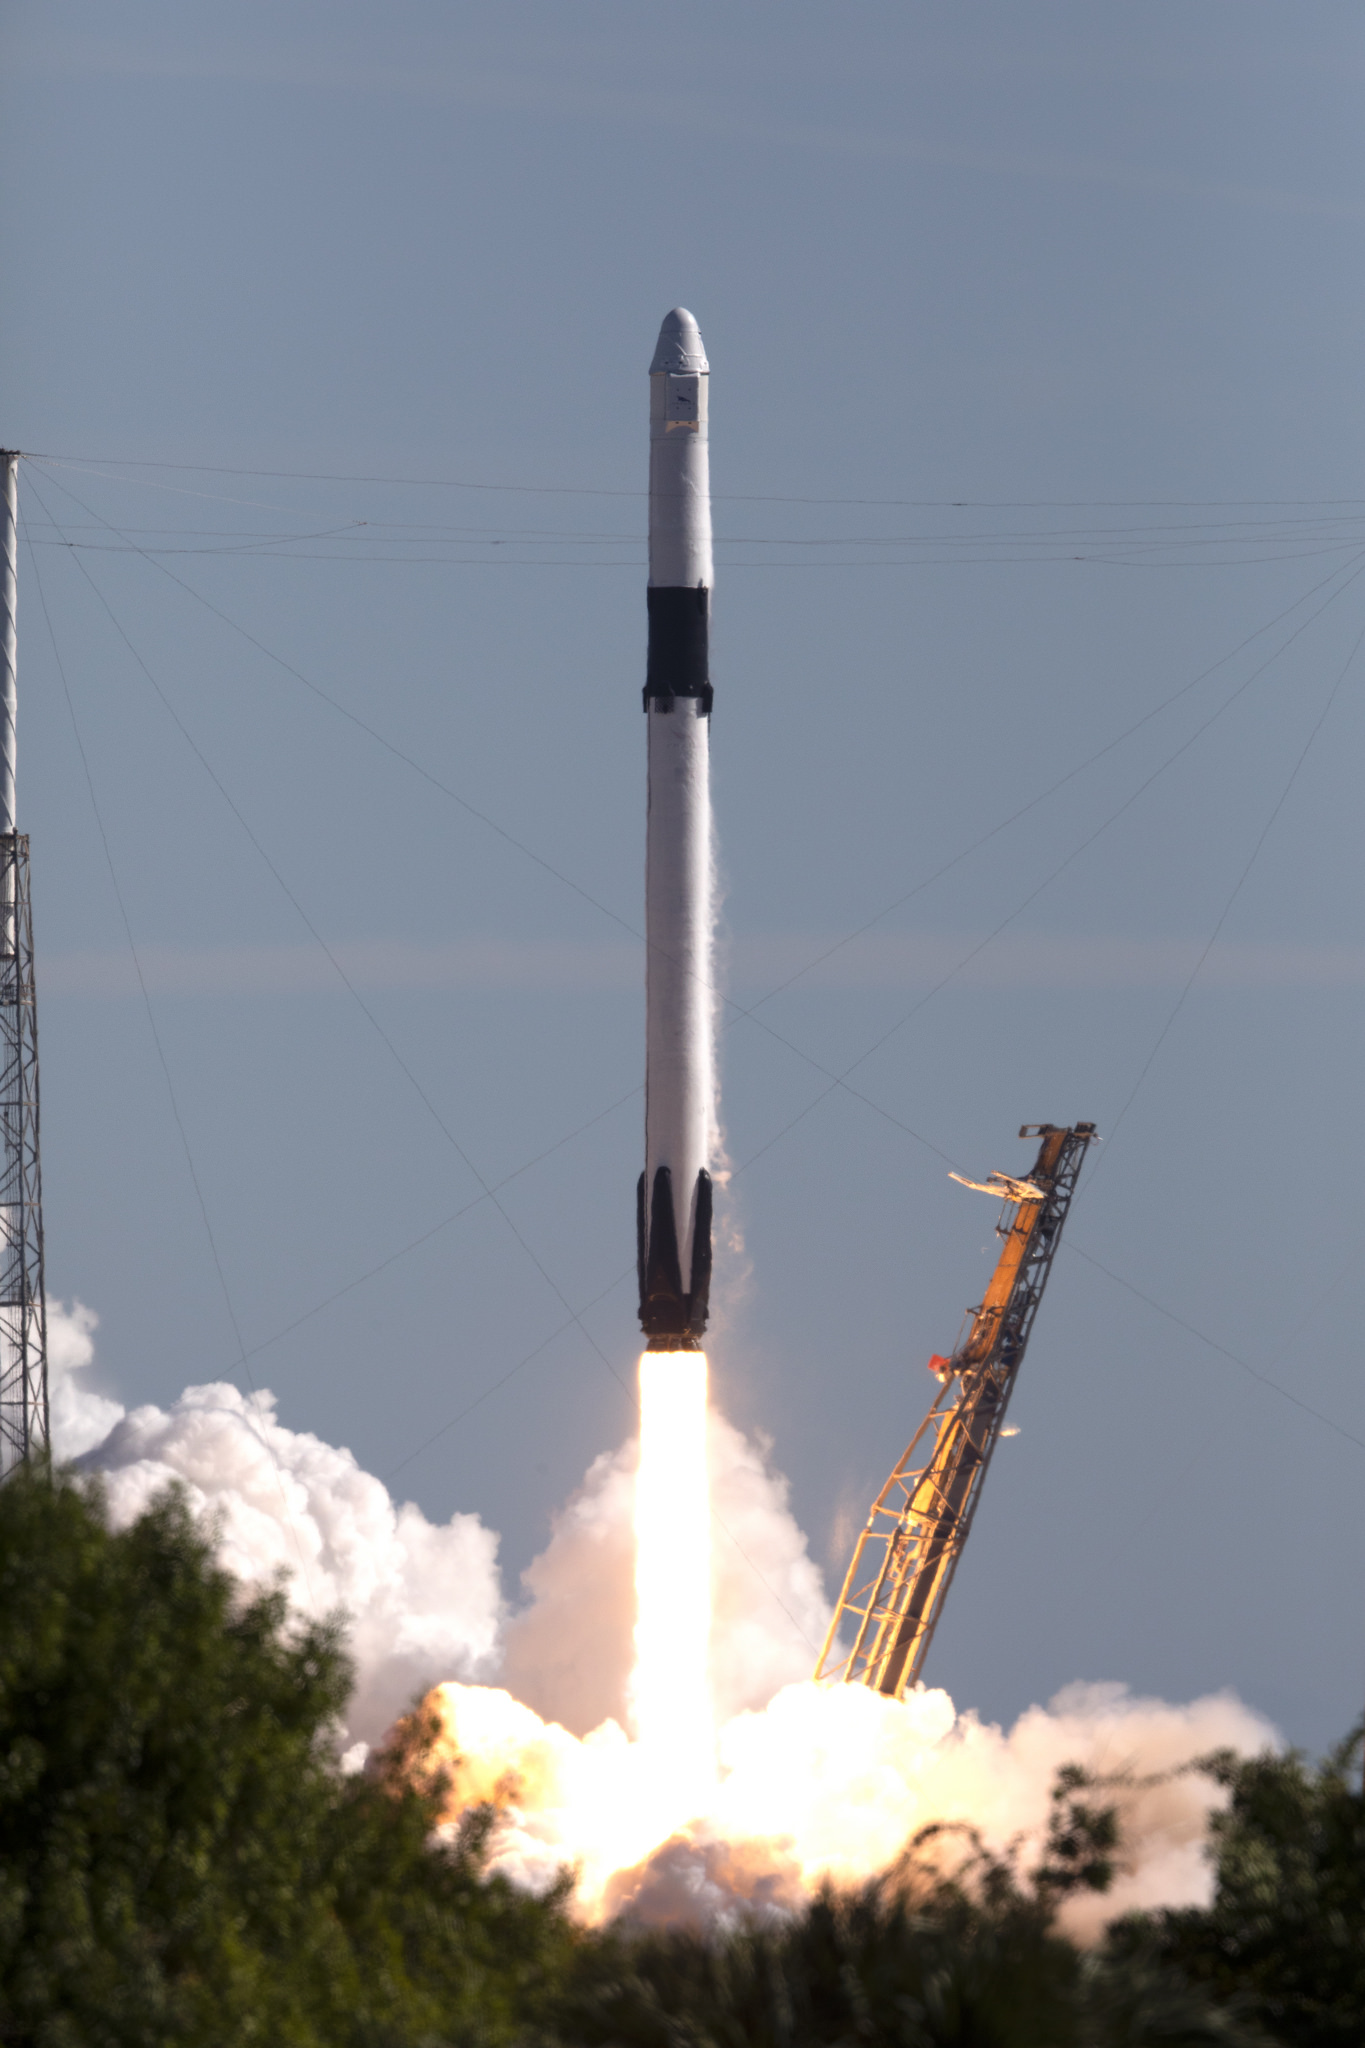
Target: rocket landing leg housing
(673, 1319)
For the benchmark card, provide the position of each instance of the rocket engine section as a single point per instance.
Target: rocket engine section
(674, 1197)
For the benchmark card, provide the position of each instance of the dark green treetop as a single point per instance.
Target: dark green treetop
(181, 1859)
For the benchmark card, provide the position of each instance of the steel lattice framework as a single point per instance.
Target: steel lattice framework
(23, 1311)
(906, 1556)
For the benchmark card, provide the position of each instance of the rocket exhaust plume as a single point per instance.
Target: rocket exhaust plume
(673, 1205)
(813, 1781)
(671, 1691)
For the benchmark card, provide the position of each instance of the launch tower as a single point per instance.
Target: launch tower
(906, 1556)
(23, 1308)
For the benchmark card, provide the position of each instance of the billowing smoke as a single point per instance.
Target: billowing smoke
(423, 1599)
(769, 1611)
(79, 1417)
(810, 1781)
(568, 1653)
(834, 1781)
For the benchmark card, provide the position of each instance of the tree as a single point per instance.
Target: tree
(1285, 1933)
(181, 1859)
(936, 1954)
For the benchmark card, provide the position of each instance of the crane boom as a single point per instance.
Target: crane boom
(906, 1556)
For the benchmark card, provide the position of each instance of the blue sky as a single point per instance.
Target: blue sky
(1037, 431)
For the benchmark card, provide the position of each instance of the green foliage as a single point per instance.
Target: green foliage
(181, 1861)
(881, 1965)
(1082, 1839)
(1285, 1934)
(919, 1960)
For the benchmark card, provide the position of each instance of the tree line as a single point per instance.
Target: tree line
(183, 1864)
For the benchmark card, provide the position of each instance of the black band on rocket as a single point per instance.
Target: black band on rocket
(678, 663)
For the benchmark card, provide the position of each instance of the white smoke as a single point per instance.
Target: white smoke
(769, 1608)
(810, 1781)
(568, 1654)
(79, 1418)
(422, 1599)
(833, 1782)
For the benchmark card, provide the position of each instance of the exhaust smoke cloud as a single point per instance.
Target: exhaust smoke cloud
(537, 1705)
(834, 1782)
(423, 1599)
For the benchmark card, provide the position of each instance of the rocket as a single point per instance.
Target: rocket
(673, 1202)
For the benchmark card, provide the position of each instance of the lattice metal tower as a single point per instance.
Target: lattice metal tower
(23, 1307)
(905, 1558)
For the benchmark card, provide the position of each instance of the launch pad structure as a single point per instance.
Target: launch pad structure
(905, 1558)
(23, 1306)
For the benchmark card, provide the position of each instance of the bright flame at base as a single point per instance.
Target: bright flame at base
(670, 1691)
(717, 1808)
(832, 1781)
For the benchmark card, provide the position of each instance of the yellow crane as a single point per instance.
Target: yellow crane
(906, 1556)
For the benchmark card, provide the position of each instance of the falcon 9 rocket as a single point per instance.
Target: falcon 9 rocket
(673, 1205)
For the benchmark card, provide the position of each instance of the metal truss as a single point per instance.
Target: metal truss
(23, 1309)
(906, 1556)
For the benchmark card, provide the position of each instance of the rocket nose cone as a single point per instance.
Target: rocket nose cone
(679, 346)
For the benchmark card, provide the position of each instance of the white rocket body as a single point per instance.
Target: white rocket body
(675, 1191)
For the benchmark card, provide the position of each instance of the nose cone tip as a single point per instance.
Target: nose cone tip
(679, 346)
